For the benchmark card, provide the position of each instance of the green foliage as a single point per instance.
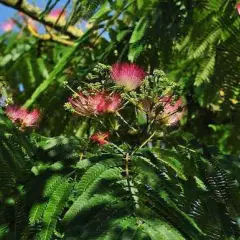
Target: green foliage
(158, 195)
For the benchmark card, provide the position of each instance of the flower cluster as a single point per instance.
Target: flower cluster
(94, 104)
(130, 76)
(23, 116)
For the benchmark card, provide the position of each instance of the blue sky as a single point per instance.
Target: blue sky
(6, 12)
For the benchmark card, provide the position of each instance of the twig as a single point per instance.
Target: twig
(49, 37)
(144, 143)
(35, 13)
(120, 116)
(127, 158)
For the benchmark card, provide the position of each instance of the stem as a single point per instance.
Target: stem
(144, 143)
(130, 182)
(127, 158)
(50, 37)
(120, 116)
(82, 129)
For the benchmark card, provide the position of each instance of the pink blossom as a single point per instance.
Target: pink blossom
(83, 105)
(172, 112)
(113, 102)
(98, 103)
(128, 75)
(100, 137)
(238, 7)
(8, 25)
(15, 113)
(23, 116)
(31, 118)
(55, 13)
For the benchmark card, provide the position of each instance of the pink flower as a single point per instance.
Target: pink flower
(238, 7)
(85, 105)
(128, 75)
(100, 137)
(113, 102)
(98, 103)
(8, 25)
(172, 112)
(23, 116)
(15, 113)
(31, 118)
(55, 13)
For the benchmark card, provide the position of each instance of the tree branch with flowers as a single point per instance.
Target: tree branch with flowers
(130, 99)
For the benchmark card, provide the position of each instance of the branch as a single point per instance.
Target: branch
(50, 36)
(35, 13)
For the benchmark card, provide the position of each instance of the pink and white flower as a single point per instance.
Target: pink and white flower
(238, 7)
(23, 116)
(100, 137)
(166, 110)
(15, 113)
(113, 102)
(128, 75)
(95, 104)
(172, 112)
(31, 118)
(8, 25)
(86, 105)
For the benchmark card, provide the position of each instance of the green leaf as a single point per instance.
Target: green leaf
(101, 12)
(140, 4)
(54, 209)
(42, 68)
(3, 231)
(83, 199)
(160, 230)
(170, 159)
(134, 51)
(38, 209)
(139, 30)
(205, 72)
(122, 34)
(106, 169)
